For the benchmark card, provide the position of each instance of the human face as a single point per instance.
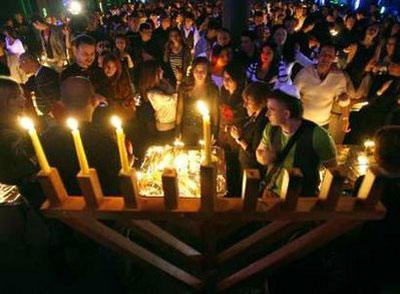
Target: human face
(391, 46)
(166, 23)
(350, 22)
(246, 44)
(223, 38)
(280, 37)
(267, 54)
(85, 55)
(188, 23)
(276, 113)
(224, 57)
(110, 69)
(251, 106)
(229, 83)
(146, 35)
(200, 72)
(327, 56)
(175, 37)
(120, 44)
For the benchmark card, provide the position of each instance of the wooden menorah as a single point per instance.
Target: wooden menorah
(210, 219)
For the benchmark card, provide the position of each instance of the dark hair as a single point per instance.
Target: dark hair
(145, 26)
(76, 92)
(387, 148)
(148, 76)
(189, 81)
(291, 103)
(83, 39)
(258, 91)
(249, 34)
(237, 73)
(38, 18)
(9, 89)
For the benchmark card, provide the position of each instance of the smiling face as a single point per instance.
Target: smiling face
(85, 55)
(110, 68)
(200, 72)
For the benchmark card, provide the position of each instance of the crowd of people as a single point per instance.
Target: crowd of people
(281, 97)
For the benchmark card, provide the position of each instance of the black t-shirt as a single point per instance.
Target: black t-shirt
(101, 151)
(93, 73)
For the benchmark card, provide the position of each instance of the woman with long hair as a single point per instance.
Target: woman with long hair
(157, 112)
(232, 114)
(265, 68)
(198, 86)
(223, 56)
(177, 56)
(117, 87)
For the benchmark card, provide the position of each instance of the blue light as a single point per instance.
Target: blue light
(383, 9)
(356, 4)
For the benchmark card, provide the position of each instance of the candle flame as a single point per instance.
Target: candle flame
(27, 123)
(116, 121)
(72, 124)
(362, 160)
(202, 107)
(369, 144)
(179, 143)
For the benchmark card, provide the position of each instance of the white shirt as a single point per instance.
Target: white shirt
(318, 96)
(164, 106)
(16, 48)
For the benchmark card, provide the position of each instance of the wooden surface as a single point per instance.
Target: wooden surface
(191, 252)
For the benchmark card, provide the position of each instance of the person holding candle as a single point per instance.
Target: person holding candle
(198, 86)
(248, 137)
(78, 98)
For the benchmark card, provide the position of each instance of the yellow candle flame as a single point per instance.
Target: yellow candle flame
(369, 144)
(27, 123)
(362, 159)
(72, 124)
(116, 122)
(179, 143)
(203, 109)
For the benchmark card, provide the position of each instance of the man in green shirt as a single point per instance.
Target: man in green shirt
(312, 148)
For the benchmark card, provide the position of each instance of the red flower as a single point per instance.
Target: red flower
(227, 113)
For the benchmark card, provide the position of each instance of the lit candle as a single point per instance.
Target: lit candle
(80, 152)
(206, 131)
(178, 143)
(123, 154)
(27, 124)
(363, 161)
(369, 146)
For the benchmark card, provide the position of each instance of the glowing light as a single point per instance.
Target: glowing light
(356, 4)
(383, 9)
(27, 123)
(334, 32)
(75, 7)
(369, 144)
(72, 124)
(116, 122)
(178, 143)
(203, 109)
(362, 159)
